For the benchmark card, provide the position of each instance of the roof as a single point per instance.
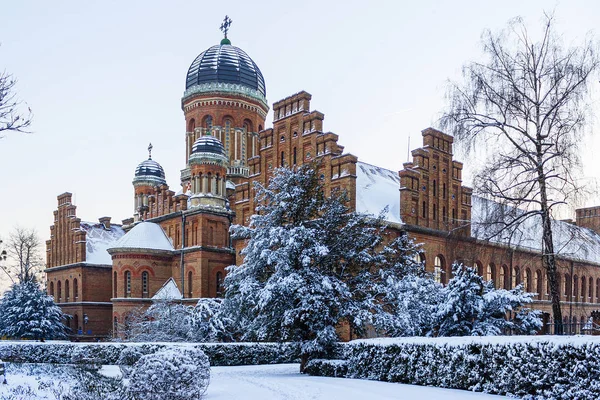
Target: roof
(98, 240)
(208, 144)
(168, 291)
(225, 63)
(145, 235)
(377, 188)
(150, 167)
(570, 240)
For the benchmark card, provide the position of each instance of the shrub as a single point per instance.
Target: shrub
(170, 375)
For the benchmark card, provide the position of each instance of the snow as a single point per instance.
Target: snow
(98, 240)
(145, 235)
(278, 382)
(283, 381)
(168, 291)
(576, 340)
(570, 241)
(377, 188)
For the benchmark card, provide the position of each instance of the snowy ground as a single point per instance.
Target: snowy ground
(273, 382)
(283, 382)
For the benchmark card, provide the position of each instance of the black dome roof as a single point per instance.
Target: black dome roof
(225, 63)
(208, 144)
(150, 167)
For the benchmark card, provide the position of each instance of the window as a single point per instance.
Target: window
(479, 268)
(67, 290)
(489, 276)
(444, 190)
(127, 284)
(219, 284)
(538, 283)
(591, 290)
(207, 123)
(438, 269)
(190, 287)
(115, 284)
(575, 287)
(282, 159)
(424, 210)
(76, 323)
(434, 212)
(75, 289)
(192, 125)
(294, 156)
(505, 277)
(528, 281)
(516, 277)
(583, 282)
(59, 291)
(434, 188)
(51, 289)
(144, 284)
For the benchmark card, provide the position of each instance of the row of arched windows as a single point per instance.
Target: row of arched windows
(145, 286)
(579, 289)
(58, 294)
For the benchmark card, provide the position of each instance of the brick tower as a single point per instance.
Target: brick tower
(225, 96)
(149, 175)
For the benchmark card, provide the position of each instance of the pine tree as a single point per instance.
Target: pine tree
(471, 306)
(28, 313)
(309, 264)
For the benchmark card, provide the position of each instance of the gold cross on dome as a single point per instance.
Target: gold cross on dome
(150, 151)
(225, 25)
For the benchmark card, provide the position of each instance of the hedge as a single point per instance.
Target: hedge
(531, 367)
(220, 354)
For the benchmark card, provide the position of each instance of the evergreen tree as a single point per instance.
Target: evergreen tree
(309, 264)
(473, 307)
(29, 313)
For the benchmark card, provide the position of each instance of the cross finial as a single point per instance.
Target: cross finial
(150, 151)
(225, 25)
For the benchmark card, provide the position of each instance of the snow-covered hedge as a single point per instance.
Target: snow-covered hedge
(220, 354)
(539, 367)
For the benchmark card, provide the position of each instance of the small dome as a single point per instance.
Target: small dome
(208, 144)
(225, 63)
(150, 167)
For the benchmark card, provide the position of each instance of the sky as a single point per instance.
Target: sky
(106, 78)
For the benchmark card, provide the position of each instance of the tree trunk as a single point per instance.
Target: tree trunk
(548, 259)
(303, 361)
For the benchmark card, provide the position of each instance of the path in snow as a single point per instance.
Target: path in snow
(284, 382)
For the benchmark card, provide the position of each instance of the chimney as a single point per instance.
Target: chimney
(105, 221)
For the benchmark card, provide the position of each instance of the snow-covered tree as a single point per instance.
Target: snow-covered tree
(472, 307)
(309, 265)
(29, 313)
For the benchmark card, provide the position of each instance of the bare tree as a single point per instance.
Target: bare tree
(527, 104)
(13, 117)
(24, 248)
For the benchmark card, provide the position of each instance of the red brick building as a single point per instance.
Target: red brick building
(99, 272)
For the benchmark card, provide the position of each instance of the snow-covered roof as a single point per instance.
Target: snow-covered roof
(570, 240)
(145, 235)
(377, 188)
(98, 240)
(168, 291)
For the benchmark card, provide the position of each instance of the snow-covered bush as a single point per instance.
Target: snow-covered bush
(322, 367)
(170, 375)
(29, 313)
(221, 354)
(533, 367)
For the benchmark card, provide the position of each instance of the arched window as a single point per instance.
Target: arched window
(568, 287)
(558, 283)
(583, 284)
(443, 190)
(294, 156)
(528, 281)
(538, 284)
(598, 290)
(145, 284)
(59, 291)
(424, 210)
(505, 277)
(479, 268)
(575, 288)
(127, 284)
(190, 286)
(434, 188)
(191, 125)
(591, 290)
(115, 284)
(439, 269)
(228, 123)
(75, 289)
(207, 122)
(282, 159)
(491, 273)
(420, 258)
(51, 289)
(219, 284)
(67, 290)
(516, 276)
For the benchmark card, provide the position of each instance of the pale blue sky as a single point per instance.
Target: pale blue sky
(105, 78)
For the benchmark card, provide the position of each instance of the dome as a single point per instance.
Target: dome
(226, 64)
(150, 167)
(150, 172)
(208, 144)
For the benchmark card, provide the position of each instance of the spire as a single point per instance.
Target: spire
(150, 151)
(225, 28)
